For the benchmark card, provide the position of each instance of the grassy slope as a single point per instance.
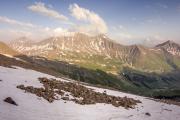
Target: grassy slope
(153, 62)
(146, 62)
(154, 83)
(92, 62)
(177, 61)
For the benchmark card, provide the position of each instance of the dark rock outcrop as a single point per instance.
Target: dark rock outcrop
(10, 101)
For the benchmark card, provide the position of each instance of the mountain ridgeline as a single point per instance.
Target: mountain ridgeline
(100, 52)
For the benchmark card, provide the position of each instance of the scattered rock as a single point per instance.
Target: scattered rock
(81, 94)
(148, 114)
(10, 101)
(104, 92)
(65, 98)
(66, 95)
(130, 116)
(0, 80)
(167, 109)
(168, 101)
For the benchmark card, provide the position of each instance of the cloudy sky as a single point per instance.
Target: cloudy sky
(126, 21)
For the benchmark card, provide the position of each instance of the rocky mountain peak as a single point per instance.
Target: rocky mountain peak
(168, 43)
(170, 47)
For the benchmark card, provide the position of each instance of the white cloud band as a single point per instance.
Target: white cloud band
(96, 23)
(15, 22)
(43, 10)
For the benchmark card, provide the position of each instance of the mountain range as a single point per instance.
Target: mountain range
(100, 52)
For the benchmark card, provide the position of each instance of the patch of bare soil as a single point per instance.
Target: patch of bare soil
(80, 94)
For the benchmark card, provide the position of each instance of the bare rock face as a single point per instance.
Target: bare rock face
(10, 101)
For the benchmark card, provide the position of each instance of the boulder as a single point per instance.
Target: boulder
(10, 101)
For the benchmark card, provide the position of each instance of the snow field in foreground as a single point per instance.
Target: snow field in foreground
(31, 107)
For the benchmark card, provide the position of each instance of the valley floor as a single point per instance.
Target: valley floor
(31, 107)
